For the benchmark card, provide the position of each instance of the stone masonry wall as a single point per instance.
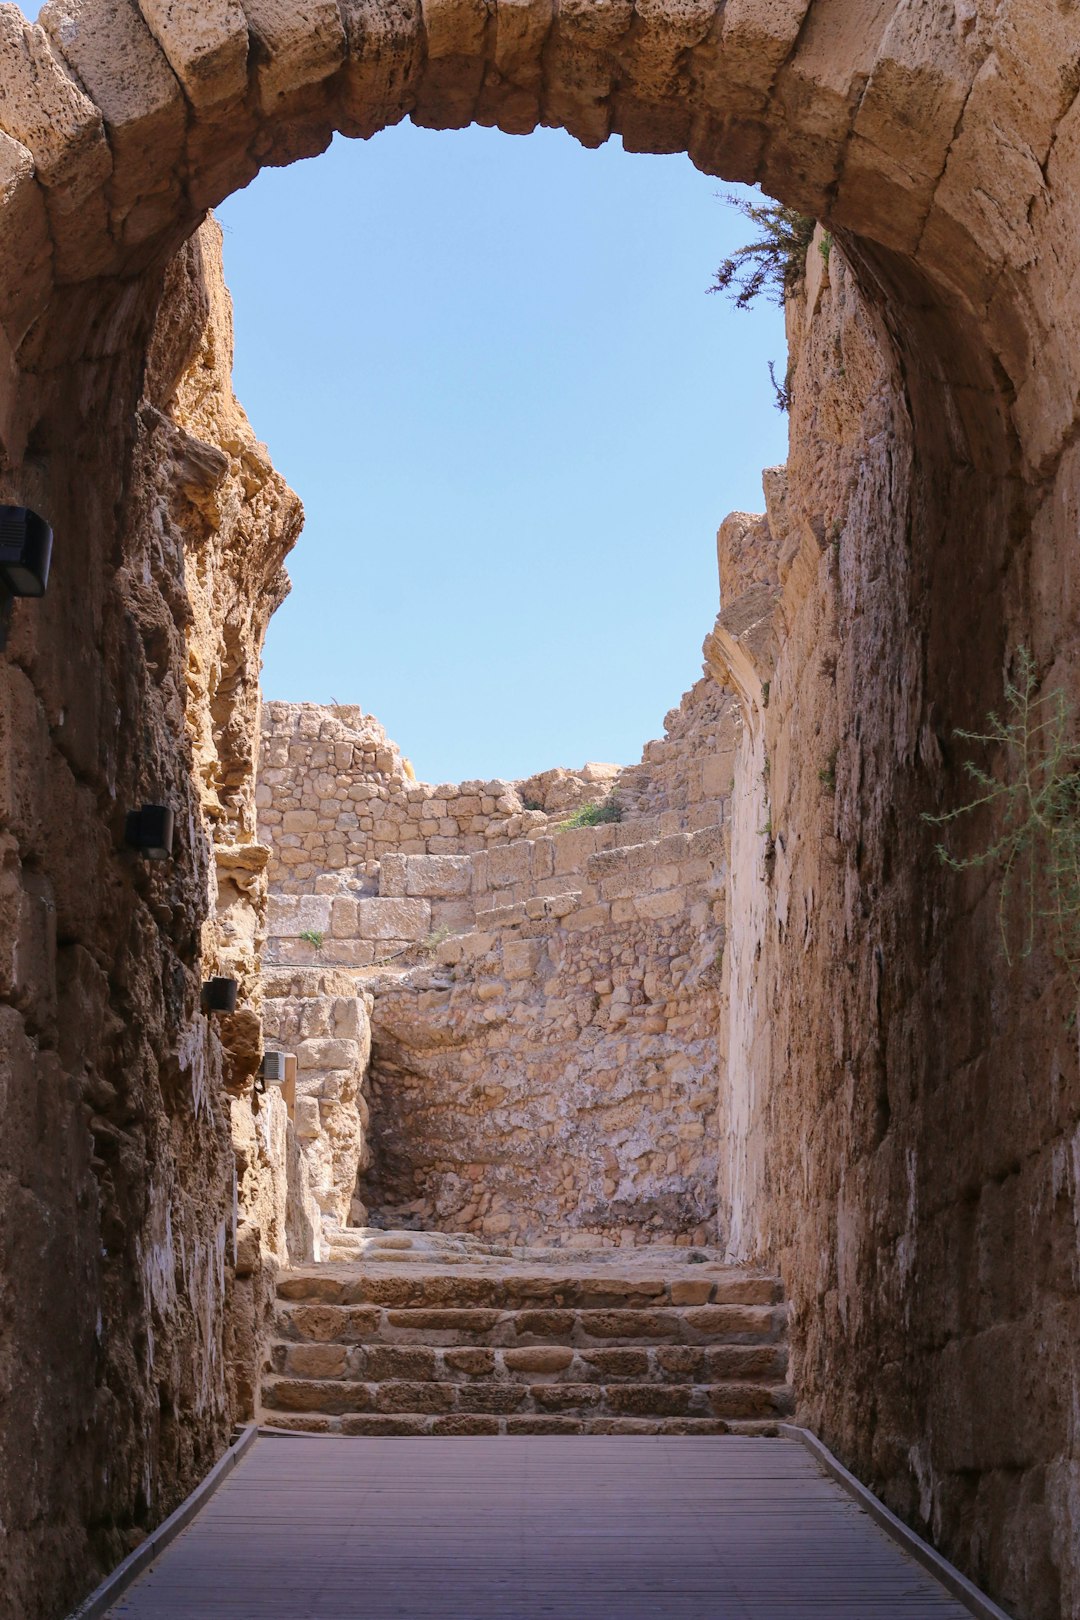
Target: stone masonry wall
(544, 1006)
(900, 1120)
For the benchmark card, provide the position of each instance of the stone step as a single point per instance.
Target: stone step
(527, 1364)
(455, 1287)
(321, 1322)
(344, 1398)
(466, 1423)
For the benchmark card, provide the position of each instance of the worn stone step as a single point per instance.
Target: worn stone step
(664, 1364)
(322, 1322)
(454, 1287)
(345, 1398)
(419, 1423)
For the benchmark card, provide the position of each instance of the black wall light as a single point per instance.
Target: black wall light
(219, 995)
(25, 553)
(150, 831)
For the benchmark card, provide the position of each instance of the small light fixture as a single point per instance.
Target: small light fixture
(150, 831)
(25, 551)
(219, 995)
(273, 1068)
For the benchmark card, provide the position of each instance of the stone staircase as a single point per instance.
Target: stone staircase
(561, 1346)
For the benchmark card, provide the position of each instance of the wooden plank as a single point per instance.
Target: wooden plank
(517, 1527)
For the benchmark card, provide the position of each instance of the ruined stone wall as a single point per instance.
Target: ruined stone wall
(544, 1006)
(902, 1105)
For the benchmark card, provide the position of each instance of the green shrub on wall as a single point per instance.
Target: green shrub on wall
(1035, 797)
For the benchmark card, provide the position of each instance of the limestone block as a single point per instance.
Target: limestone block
(120, 64)
(664, 31)
(520, 958)
(289, 916)
(508, 864)
(393, 871)
(303, 42)
(511, 95)
(657, 906)
(43, 108)
(25, 249)
(344, 923)
(206, 42)
(450, 80)
(580, 67)
(442, 876)
(587, 917)
(307, 1120)
(572, 849)
(385, 51)
(393, 919)
(325, 1052)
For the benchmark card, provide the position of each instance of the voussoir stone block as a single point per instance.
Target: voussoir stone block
(386, 50)
(206, 42)
(25, 248)
(302, 42)
(42, 107)
(511, 94)
(116, 58)
(454, 33)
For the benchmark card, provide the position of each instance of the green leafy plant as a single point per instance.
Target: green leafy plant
(594, 815)
(774, 262)
(825, 246)
(531, 804)
(1036, 799)
(314, 936)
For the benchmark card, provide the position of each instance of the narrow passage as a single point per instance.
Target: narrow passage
(567, 1527)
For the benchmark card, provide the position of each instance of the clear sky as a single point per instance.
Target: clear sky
(490, 368)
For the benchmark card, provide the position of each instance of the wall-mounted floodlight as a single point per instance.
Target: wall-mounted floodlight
(219, 995)
(272, 1071)
(25, 551)
(25, 554)
(150, 831)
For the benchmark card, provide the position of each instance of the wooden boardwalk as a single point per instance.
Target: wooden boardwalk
(565, 1528)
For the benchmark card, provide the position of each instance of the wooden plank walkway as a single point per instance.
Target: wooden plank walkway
(523, 1527)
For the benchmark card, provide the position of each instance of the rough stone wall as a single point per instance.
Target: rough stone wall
(126, 1300)
(901, 1114)
(319, 1016)
(545, 1006)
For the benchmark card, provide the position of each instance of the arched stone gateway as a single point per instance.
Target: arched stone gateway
(902, 1112)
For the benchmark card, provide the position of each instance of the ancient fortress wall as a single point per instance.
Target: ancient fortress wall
(544, 997)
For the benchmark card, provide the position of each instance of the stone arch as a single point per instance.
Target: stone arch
(928, 132)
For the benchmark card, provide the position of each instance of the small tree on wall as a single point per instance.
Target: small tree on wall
(774, 262)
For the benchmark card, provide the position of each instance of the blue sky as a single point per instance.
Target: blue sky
(490, 368)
